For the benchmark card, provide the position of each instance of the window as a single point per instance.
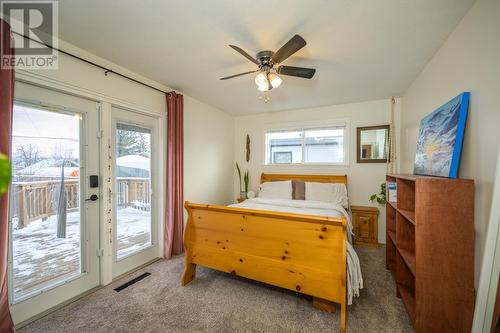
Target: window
(306, 145)
(282, 157)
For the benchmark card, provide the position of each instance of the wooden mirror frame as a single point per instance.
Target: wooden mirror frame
(358, 144)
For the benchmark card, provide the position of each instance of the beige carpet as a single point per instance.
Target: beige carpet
(219, 302)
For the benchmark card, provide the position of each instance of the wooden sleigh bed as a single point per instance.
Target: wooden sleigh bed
(304, 253)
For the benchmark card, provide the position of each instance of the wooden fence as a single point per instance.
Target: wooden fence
(35, 200)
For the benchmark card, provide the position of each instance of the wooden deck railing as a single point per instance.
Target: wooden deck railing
(134, 192)
(35, 200)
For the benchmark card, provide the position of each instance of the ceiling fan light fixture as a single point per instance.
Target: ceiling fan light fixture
(275, 80)
(261, 78)
(263, 87)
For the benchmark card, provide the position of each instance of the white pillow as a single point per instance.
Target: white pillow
(276, 190)
(327, 192)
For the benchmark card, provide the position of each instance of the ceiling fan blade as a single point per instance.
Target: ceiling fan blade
(243, 53)
(236, 75)
(302, 72)
(292, 46)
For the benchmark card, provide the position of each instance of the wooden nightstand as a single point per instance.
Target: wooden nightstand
(365, 225)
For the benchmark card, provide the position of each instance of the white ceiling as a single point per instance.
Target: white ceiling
(362, 49)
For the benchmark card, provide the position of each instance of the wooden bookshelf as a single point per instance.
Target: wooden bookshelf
(430, 250)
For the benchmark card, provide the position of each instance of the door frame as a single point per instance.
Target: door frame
(486, 296)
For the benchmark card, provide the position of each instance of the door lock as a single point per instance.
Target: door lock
(93, 197)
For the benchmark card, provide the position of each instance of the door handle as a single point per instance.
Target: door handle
(93, 197)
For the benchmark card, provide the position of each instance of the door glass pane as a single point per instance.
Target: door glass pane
(45, 199)
(133, 188)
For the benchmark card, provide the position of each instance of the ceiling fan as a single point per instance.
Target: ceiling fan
(269, 68)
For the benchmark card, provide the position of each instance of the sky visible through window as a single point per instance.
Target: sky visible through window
(39, 134)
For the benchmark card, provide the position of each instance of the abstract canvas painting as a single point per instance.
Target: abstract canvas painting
(440, 139)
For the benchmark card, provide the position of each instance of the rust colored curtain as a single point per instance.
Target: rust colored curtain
(174, 215)
(6, 101)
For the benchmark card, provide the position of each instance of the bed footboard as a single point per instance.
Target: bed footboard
(303, 253)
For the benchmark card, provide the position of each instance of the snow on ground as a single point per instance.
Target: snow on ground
(133, 231)
(40, 257)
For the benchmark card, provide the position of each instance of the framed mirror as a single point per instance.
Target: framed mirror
(372, 144)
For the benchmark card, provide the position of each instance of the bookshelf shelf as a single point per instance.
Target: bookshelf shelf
(430, 250)
(393, 204)
(392, 236)
(408, 297)
(408, 215)
(409, 259)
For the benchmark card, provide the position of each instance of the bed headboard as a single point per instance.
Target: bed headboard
(270, 177)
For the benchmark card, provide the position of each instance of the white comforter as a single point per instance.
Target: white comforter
(354, 277)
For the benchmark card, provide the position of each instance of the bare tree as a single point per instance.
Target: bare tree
(28, 154)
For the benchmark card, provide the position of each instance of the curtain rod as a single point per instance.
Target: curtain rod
(106, 70)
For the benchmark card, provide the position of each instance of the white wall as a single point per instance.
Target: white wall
(208, 153)
(468, 61)
(363, 179)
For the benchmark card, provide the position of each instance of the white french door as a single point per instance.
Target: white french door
(54, 226)
(135, 144)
